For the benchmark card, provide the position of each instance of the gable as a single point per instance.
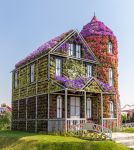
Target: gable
(86, 52)
(93, 86)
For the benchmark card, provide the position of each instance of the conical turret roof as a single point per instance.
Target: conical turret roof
(96, 27)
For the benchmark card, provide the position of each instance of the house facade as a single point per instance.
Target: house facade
(67, 82)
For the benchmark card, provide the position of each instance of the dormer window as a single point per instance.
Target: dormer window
(110, 47)
(110, 76)
(58, 67)
(89, 70)
(78, 51)
(71, 49)
(75, 50)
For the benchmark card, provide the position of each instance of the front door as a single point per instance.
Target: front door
(75, 110)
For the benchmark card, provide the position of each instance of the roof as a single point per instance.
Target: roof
(96, 27)
(127, 108)
(80, 82)
(44, 48)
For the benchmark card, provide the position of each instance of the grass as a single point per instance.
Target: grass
(14, 140)
(128, 130)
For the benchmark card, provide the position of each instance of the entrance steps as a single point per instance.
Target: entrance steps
(124, 138)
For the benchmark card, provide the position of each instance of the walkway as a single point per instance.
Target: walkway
(124, 138)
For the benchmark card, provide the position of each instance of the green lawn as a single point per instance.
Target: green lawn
(10, 140)
(128, 130)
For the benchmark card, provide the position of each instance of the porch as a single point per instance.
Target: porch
(78, 108)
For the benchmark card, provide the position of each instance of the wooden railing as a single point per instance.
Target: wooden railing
(75, 124)
(128, 125)
(91, 127)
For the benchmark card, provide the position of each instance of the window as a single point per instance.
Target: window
(71, 49)
(59, 107)
(89, 70)
(15, 79)
(75, 107)
(112, 109)
(78, 51)
(58, 67)
(75, 50)
(110, 76)
(110, 47)
(89, 108)
(32, 77)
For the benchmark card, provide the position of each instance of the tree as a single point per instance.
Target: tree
(124, 118)
(5, 121)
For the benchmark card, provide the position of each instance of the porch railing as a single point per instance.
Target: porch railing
(75, 124)
(128, 125)
(91, 127)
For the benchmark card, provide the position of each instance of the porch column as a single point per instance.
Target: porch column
(85, 106)
(65, 109)
(102, 110)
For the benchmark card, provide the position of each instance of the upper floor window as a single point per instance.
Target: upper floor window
(111, 109)
(58, 67)
(32, 70)
(59, 107)
(15, 79)
(71, 48)
(89, 108)
(110, 47)
(78, 51)
(110, 76)
(89, 70)
(75, 50)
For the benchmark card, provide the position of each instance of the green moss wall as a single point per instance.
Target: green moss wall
(39, 86)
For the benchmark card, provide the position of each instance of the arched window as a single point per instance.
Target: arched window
(59, 107)
(110, 47)
(110, 76)
(111, 109)
(89, 108)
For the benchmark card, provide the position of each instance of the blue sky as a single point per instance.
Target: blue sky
(25, 25)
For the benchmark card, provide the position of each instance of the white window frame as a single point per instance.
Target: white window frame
(75, 107)
(15, 79)
(89, 70)
(111, 109)
(89, 108)
(111, 77)
(110, 47)
(32, 73)
(59, 106)
(58, 67)
(78, 50)
(71, 49)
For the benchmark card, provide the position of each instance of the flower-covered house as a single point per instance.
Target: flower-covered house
(70, 80)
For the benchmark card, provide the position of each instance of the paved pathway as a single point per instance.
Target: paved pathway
(124, 138)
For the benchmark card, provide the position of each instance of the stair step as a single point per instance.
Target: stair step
(123, 138)
(126, 142)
